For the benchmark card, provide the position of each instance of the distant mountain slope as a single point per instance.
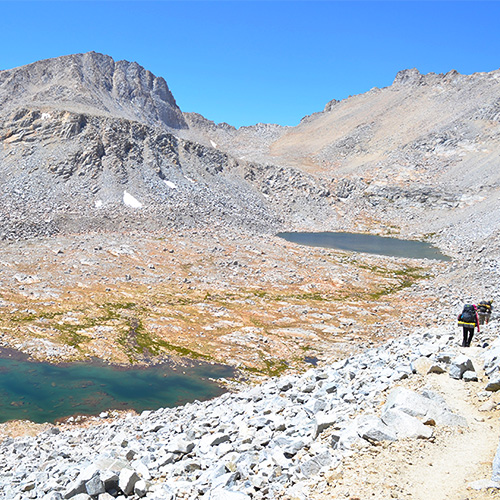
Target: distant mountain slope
(418, 121)
(81, 133)
(250, 143)
(424, 129)
(422, 154)
(91, 83)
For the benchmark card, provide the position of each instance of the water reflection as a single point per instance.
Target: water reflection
(367, 243)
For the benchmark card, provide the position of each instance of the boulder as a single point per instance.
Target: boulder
(459, 366)
(444, 357)
(323, 421)
(313, 466)
(105, 496)
(180, 444)
(329, 387)
(372, 428)
(127, 480)
(284, 385)
(278, 457)
(436, 368)
(494, 384)
(492, 358)
(141, 488)
(141, 468)
(75, 488)
(348, 438)
(405, 426)
(53, 495)
(483, 484)
(425, 365)
(95, 485)
(428, 408)
(27, 486)
(470, 376)
(449, 419)
(288, 446)
(407, 401)
(315, 405)
(434, 396)
(215, 439)
(226, 480)
(161, 491)
(110, 480)
(427, 349)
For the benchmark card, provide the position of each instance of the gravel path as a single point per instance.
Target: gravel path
(455, 464)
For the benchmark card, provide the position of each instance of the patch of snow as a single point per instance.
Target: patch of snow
(214, 145)
(189, 179)
(170, 184)
(98, 203)
(130, 201)
(46, 116)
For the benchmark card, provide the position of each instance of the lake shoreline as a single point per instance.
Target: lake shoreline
(45, 392)
(171, 361)
(366, 243)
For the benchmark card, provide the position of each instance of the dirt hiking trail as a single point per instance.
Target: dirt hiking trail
(441, 468)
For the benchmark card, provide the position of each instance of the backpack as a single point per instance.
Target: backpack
(484, 306)
(468, 314)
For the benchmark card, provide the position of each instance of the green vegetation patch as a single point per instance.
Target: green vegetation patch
(273, 368)
(70, 334)
(31, 316)
(405, 278)
(137, 340)
(182, 351)
(315, 296)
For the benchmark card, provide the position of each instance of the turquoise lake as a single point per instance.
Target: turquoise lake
(367, 243)
(42, 392)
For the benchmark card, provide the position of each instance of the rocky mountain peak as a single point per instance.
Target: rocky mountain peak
(330, 105)
(196, 120)
(408, 77)
(413, 77)
(92, 83)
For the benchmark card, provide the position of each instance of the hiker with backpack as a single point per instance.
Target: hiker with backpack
(468, 319)
(484, 309)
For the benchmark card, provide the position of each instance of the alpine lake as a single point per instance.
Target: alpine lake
(44, 392)
(367, 243)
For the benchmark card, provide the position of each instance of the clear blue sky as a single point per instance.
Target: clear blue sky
(245, 62)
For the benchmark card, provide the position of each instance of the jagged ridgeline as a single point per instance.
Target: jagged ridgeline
(89, 143)
(86, 141)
